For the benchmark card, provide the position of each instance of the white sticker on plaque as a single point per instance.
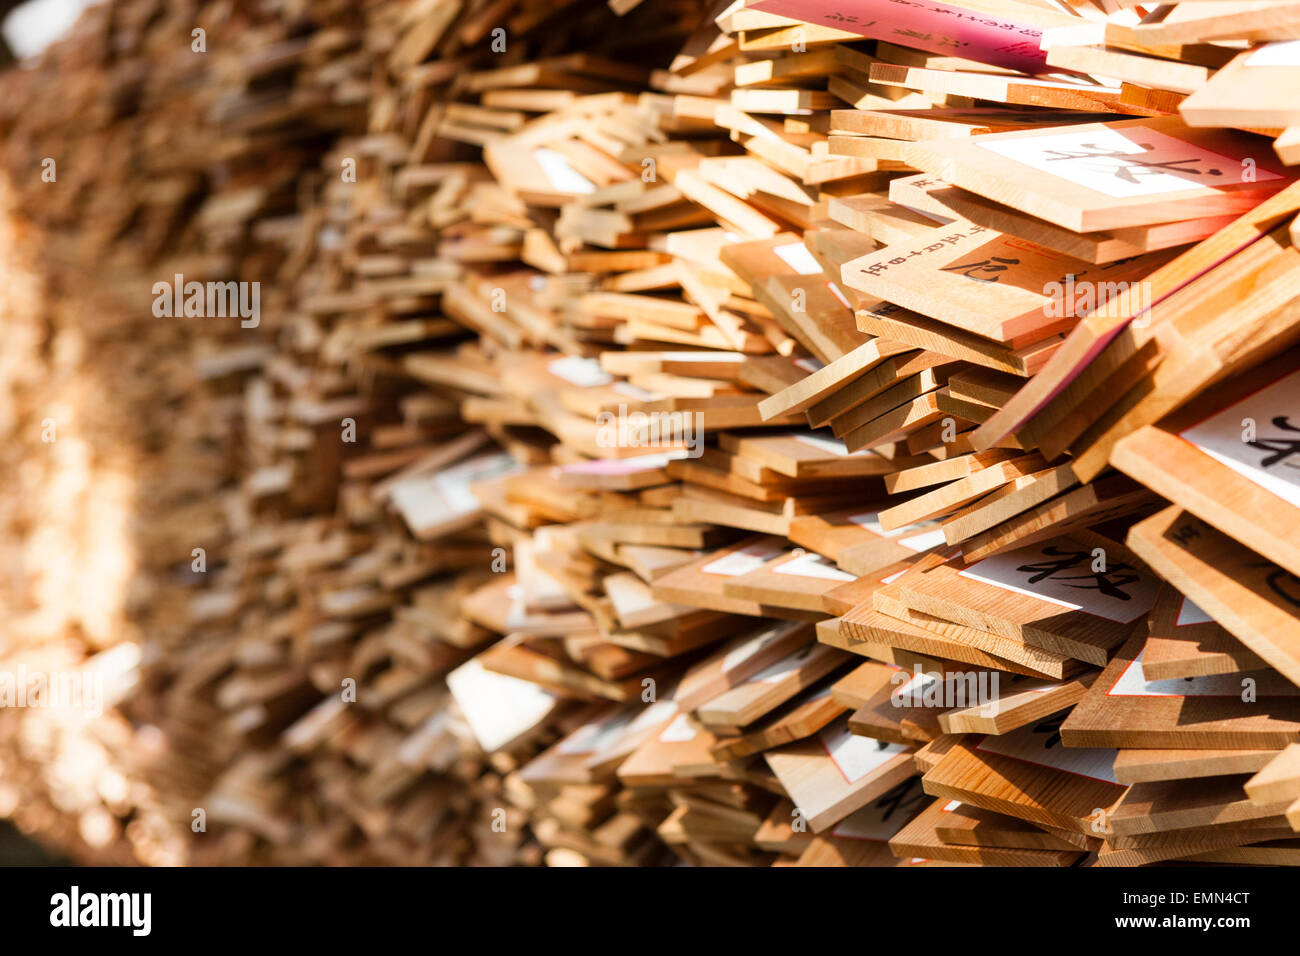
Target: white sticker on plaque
(1040, 744)
(865, 825)
(810, 565)
(742, 561)
(1133, 683)
(1272, 460)
(916, 688)
(784, 667)
(884, 816)
(854, 755)
(918, 537)
(561, 173)
(1126, 163)
(609, 467)
(656, 713)
(1060, 572)
(1286, 53)
(831, 446)
(497, 707)
(583, 372)
(798, 258)
(756, 643)
(1020, 684)
(1189, 614)
(636, 391)
(453, 483)
(679, 731)
(595, 736)
(734, 357)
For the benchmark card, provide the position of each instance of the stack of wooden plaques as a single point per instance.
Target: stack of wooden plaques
(751, 435)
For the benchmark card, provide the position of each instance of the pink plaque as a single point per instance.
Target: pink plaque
(926, 25)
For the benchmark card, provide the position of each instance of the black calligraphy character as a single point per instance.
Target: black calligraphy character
(995, 265)
(1045, 569)
(1282, 448)
(1281, 582)
(1285, 585)
(1052, 728)
(1110, 581)
(1129, 168)
(903, 796)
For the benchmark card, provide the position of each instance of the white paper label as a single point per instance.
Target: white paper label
(753, 645)
(1272, 459)
(784, 667)
(1061, 572)
(856, 756)
(608, 467)
(798, 258)
(1286, 53)
(918, 537)
(595, 736)
(679, 731)
(1124, 163)
(656, 713)
(561, 174)
(831, 446)
(1040, 744)
(517, 611)
(884, 816)
(871, 521)
(636, 391)
(809, 565)
(742, 561)
(453, 483)
(1189, 614)
(1133, 683)
(497, 707)
(923, 541)
(735, 357)
(455, 491)
(1019, 684)
(865, 825)
(916, 687)
(583, 372)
